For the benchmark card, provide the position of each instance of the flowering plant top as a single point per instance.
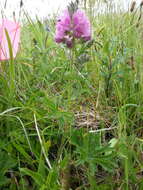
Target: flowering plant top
(71, 26)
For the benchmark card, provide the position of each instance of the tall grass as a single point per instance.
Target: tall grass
(74, 124)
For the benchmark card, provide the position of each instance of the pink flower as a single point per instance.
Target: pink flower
(82, 28)
(13, 30)
(72, 26)
(63, 26)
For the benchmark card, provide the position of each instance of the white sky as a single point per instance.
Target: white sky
(43, 8)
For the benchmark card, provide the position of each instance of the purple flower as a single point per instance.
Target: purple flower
(81, 24)
(72, 26)
(63, 26)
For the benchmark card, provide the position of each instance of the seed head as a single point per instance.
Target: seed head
(21, 4)
(141, 4)
(133, 6)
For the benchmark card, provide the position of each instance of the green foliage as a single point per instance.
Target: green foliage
(87, 102)
(7, 163)
(92, 152)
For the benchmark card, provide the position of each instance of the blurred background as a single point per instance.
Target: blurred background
(45, 8)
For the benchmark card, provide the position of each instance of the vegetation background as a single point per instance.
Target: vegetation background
(73, 119)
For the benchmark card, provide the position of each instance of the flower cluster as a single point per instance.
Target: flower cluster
(71, 26)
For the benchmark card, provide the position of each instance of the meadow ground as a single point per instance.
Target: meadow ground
(73, 118)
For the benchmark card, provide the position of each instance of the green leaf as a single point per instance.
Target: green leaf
(23, 152)
(3, 180)
(34, 175)
(9, 45)
(6, 163)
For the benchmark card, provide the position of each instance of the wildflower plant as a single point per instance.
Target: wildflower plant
(56, 132)
(73, 29)
(72, 24)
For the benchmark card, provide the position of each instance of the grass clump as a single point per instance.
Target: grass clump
(74, 120)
